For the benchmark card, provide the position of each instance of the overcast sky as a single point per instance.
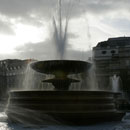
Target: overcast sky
(26, 26)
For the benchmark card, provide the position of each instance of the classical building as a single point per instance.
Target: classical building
(113, 57)
(12, 74)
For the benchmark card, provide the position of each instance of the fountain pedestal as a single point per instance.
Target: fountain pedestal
(61, 69)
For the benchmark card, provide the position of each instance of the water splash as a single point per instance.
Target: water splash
(32, 79)
(115, 83)
(60, 34)
(29, 78)
(34, 118)
(92, 79)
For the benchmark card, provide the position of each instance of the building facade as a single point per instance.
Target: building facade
(112, 57)
(12, 75)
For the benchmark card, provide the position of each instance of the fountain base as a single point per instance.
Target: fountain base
(62, 107)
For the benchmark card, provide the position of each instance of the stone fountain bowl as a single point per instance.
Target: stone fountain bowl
(65, 66)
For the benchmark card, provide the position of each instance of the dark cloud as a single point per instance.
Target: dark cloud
(104, 6)
(27, 11)
(5, 28)
(16, 8)
(36, 11)
(46, 8)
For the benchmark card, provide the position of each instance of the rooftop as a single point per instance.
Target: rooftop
(112, 42)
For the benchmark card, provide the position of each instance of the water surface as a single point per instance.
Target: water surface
(122, 125)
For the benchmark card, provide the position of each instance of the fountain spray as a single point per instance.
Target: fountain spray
(60, 36)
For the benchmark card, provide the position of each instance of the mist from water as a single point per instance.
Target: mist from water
(29, 78)
(34, 118)
(92, 79)
(32, 79)
(115, 83)
(60, 33)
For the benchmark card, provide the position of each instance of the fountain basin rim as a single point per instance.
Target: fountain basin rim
(66, 66)
(70, 91)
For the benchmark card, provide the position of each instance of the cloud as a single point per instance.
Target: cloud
(114, 15)
(47, 51)
(16, 8)
(72, 35)
(121, 24)
(41, 50)
(35, 12)
(46, 8)
(5, 28)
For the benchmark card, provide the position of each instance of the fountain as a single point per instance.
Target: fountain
(60, 69)
(115, 83)
(61, 105)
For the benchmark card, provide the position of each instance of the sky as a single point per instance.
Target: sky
(26, 29)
